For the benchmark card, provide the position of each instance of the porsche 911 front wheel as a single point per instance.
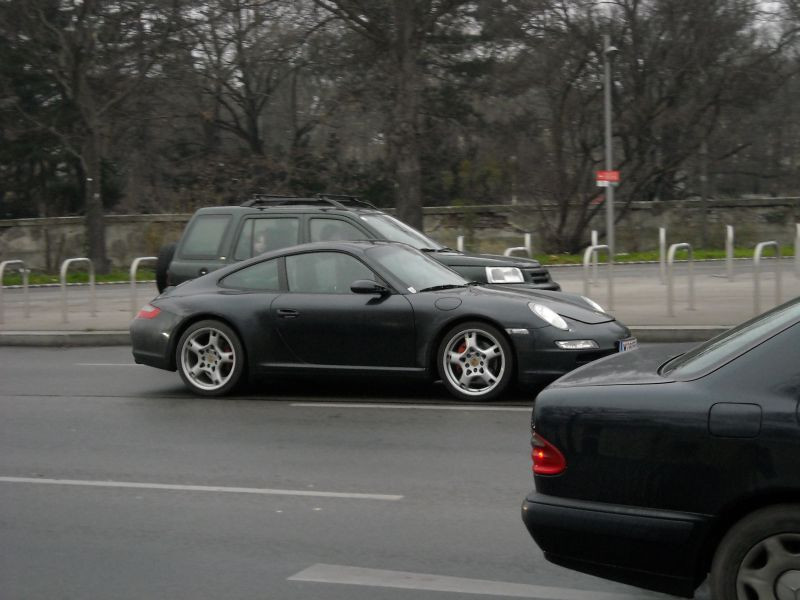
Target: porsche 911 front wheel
(475, 361)
(210, 358)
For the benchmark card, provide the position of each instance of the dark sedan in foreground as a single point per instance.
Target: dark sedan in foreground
(656, 471)
(367, 308)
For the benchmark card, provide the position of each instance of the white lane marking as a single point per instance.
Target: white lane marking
(322, 573)
(107, 365)
(410, 406)
(199, 488)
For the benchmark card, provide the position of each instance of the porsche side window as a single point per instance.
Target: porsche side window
(324, 272)
(326, 230)
(261, 276)
(264, 234)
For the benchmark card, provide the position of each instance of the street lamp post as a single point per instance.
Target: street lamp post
(608, 50)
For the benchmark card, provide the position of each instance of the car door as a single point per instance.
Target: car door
(324, 323)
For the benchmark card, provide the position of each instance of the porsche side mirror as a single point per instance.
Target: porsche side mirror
(367, 286)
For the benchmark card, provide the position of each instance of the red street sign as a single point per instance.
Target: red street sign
(605, 178)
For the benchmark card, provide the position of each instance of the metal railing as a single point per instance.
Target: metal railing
(92, 295)
(24, 272)
(670, 277)
(595, 242)
(527, 248)
(797, 249)
(662, 254)
(135, 267)
(757, 273)
(729, 251)
(590, 252)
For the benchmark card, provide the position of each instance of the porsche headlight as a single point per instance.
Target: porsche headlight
(504, 275)
(548, 315)
(593, 304)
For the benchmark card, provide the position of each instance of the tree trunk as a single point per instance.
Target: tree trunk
(405, 111)
(95, 220)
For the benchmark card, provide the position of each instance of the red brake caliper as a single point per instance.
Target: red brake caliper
(461, 348)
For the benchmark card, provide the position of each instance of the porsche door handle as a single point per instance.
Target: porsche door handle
(287, 313)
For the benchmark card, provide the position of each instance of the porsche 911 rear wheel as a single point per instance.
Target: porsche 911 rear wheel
(475, 361)
(210, 358)
(759, 558)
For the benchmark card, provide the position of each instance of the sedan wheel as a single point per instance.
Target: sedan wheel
(475, 361)
(210, 358)
(759, 558)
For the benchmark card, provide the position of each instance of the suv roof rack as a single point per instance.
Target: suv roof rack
(334, 200)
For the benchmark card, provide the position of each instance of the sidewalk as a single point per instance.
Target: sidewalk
(640, 301)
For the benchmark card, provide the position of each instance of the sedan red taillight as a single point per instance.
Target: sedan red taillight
(148, 311)
(547, 459)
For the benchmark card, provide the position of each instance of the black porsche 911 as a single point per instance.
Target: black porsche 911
(657, 471)
(371, 308)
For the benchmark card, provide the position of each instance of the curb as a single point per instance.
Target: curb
(644, 333)
(670, 333)
(64, 338)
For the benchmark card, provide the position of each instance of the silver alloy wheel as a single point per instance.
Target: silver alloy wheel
(208, 358)
(771, 569)
(474, 362)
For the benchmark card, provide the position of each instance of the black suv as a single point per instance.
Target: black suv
(217, 236)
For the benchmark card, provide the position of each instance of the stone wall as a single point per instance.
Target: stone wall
(44, 243)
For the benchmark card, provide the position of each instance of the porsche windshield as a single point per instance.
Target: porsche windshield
(414, 269)
(395, 230)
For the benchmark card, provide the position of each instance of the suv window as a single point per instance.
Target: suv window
(324, 272)
(264, 234)
(261, 276)
(328, 230)
(204, 238)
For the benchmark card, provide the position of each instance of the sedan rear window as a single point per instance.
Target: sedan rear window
(734, 342)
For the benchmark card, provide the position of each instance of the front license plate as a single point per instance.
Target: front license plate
(629, 344)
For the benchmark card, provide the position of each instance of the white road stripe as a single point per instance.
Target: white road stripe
(411, 406)
(199, 488)
(107, 365)
(321, 573)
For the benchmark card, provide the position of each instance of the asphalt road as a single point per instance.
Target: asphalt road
(117, 483)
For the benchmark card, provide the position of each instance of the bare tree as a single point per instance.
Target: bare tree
(401, 30)
(96, 55)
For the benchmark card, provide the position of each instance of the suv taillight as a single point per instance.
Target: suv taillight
(547, 459)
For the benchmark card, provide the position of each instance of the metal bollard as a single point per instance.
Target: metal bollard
(93, 298)
(590, 252)
(134, 267)
(670, 285)
(662, 254)
(757, 274)
(21, 267)
(460, 243)
(729, 251)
